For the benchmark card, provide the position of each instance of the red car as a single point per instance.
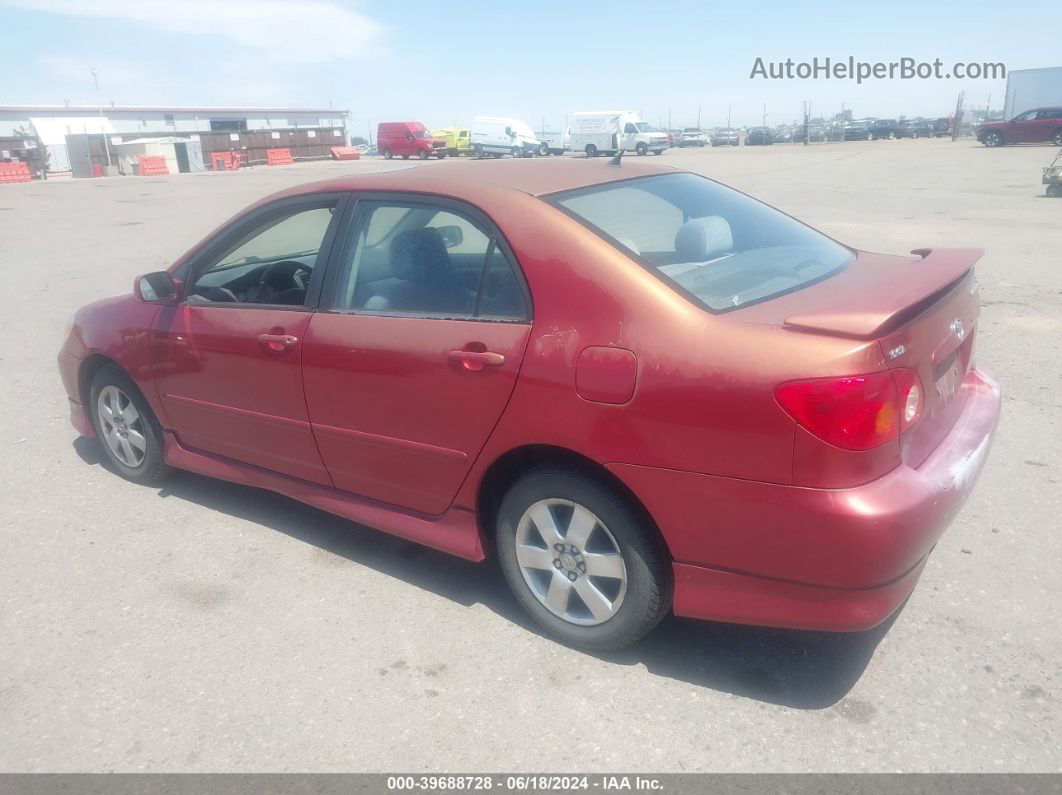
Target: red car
(1037, 126)
(640, 390)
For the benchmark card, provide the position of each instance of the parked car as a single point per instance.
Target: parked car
(1040, 125)
(914, 128)
(858, 131)
(726, 138)
(941, 127)
(759, 136)
(611, 131)
(495, 136)
(408, 139)
(692, 136)
(457, 140)
(883, 128)
(775, 429)
(816, 134)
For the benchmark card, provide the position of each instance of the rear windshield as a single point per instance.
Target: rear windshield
(719, 247)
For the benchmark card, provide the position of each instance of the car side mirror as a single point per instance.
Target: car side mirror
(451, 235)
(156, 288)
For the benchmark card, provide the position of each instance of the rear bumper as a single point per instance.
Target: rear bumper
(840, 559)
(745, 599)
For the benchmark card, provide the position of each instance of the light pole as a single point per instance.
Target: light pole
(106, 145)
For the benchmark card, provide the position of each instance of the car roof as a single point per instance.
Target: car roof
(478, 180)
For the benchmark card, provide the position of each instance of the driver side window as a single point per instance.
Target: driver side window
(271, 264)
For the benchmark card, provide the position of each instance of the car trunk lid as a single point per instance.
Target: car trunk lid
(923, 312)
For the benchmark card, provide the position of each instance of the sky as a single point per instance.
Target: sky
(443, 63)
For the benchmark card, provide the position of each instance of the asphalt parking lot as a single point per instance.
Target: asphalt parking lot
(210, 627)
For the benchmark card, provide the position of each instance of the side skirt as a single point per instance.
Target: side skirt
(454, 532)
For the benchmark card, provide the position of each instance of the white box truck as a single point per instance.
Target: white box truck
(608, 131)
(555, 143)
(495, 136)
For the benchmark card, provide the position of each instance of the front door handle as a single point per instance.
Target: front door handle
(278, 343)
(477, 360)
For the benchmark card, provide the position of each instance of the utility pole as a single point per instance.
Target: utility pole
(728, 118)
(669, 119)
(106, 144)
(764, 114)
(698, 117)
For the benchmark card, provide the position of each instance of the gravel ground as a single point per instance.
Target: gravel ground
(209, 627)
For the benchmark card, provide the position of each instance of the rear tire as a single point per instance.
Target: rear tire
(591, 150)
(993, 138)
(1054, 191)
(543, 149)
(126, 428)
(587, 526)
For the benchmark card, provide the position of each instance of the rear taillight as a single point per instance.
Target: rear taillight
(858, 412)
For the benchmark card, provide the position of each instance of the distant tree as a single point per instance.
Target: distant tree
(843, 116)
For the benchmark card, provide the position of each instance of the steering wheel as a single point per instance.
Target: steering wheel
(280, 279)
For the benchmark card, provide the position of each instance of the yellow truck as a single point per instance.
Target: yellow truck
(457, 140)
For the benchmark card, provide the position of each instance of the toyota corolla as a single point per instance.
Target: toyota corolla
(638, 390)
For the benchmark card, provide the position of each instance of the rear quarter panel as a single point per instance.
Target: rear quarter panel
(704, 396)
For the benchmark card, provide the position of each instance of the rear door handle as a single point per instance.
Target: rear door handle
(477, 360)
(278, 343)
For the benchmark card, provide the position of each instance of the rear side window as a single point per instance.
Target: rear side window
(716, 245)
(427, 260)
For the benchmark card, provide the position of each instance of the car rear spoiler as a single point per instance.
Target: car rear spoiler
(879, 306)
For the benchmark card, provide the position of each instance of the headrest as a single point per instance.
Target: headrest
(418, 255)
(701, 239)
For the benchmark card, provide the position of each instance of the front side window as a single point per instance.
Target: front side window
(272, 263)
(426, 260)
(718, 246)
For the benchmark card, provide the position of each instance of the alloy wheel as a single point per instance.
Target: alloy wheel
(571, 562)
(122, 426)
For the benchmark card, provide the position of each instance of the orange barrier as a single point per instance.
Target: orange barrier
(152, 165)
(278, 157)
(16, 171)
(222, 161)
(346, 153)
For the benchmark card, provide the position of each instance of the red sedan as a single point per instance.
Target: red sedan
(640, 390)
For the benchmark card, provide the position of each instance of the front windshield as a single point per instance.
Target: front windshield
(714, 244)
(422, 134)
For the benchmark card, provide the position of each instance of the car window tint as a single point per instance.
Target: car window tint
(432, 261)
(272, 263)
(717, 245)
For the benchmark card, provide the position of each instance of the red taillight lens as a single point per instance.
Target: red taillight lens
(857, 412)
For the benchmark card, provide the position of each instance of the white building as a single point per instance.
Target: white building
(53, 124)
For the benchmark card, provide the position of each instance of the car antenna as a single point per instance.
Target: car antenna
(618, 159)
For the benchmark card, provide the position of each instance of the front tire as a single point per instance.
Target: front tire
(1057, 138)
(581, 559)
(128, 433)
(388, 154)
(641, 149)
(1054, 190)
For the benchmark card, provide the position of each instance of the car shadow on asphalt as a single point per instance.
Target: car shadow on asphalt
(799, 669)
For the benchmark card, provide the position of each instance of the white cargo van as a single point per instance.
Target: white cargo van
(494, 136)
(609, 131)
